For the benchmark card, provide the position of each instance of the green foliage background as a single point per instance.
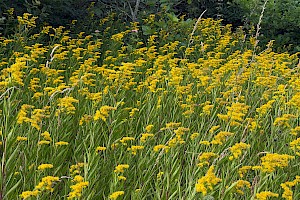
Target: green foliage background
(280, 21)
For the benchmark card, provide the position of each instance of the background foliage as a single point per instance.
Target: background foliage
(280, 22)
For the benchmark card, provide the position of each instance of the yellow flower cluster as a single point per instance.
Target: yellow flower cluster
(288, 193)
(205, 157)
(134, 149)
(265, 195)
(37, 115)
(120, 168)
(116, 194)
(241, 184)
(236, 150)
(76, 169)
(271, 161)
(78, 187)
(145, 136)
(102, 113)
(206, 183)
(220, 138)
(47, 183)
(235, 113)
(65, 105)
(45, 166)
(161, 146)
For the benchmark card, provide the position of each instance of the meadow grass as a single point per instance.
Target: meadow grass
(115, 115)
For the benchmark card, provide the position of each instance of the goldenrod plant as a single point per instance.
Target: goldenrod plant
(165, 115)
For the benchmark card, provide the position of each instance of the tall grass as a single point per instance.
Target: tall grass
(114, 115)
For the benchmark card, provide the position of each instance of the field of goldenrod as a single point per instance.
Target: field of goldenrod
(113, 115)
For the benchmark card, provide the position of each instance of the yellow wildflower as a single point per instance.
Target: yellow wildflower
(194, 135)
(19, 138)
(47, 183)
(205, 157)
(295, 131)
(204, 142)
(116, 194)
(221, 137)
(45, 166)
(265, 195)
(98, 149)
(236, 149)
(145, 136)
(43, 142)
(78, 187)
(102, 113)
(271, 161)
(213, 129)
(160, 146)
(120, 168)
(243, 170)
(121, 178)
(125, 139)
(207, 109)
(46, 136)
(61, 143)
(65, 105)
(288, 193)
(149, 128)
(159, 175)
(206, 183)
(27, 194)
(134, 149)
(240, 184)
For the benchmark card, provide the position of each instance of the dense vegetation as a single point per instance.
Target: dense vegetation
(164, 107)
(280, 22)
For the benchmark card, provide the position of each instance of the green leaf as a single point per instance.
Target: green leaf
(147, 30)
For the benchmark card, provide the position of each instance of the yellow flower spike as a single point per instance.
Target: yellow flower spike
(45, 166)
(145, 136)
(102, 113)
(42, 142)
(243, 170)
(98, 149)
(159, 175)
(295, 131)
(240, 184)
(149, 128)
(134, 149)
(46, 183)
(213, 129)
(206, 183)
(75, 169)
(121, 178)
(236, 150)
(120, 168)
(207, 143)
(272, 161)
(28, 194)
(207, 109)
(220, 138)
(61, 143)
(19, 138)
(265, 195)
(287, 187)
(161, 146)
(207, 156)
(194, 136)
(124, 140)
(77, 188)
(116, 194)
(133, 111)
(46, 135)
(65, 105)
